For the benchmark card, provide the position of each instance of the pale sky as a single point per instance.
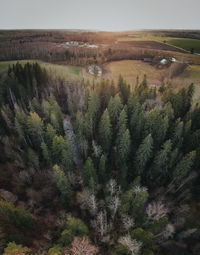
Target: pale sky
(100, 14)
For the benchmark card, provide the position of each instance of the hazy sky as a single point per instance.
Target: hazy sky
(99, 14)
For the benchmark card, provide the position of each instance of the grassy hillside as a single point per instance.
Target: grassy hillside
(59, 70)
(130, 69)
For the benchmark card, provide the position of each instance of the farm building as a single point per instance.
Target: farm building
(163, 61)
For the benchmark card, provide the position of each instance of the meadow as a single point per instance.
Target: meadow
(184, 43)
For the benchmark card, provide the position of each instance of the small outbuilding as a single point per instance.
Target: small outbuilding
(163, 61)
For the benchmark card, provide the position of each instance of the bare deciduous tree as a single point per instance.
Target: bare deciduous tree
(113, 188)
(81, 246)
(88, 201)
(100, 224)
(127, 222)
(97, 149)
(156, 210)
(167, 233)
(133, 245)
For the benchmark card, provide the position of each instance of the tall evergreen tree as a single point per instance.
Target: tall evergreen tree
(143, 154)
(102, 170)
(62, 182)
(35, 128)
(89, 172)
(157, 126)
(184, 166)
(105, 131)
(161, 160)
(114, 108)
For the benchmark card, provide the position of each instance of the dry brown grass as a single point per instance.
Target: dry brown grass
(130, 69)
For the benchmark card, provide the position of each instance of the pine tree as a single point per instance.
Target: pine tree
(58, 145)
(143, 154)
(62, 152)
(184, 166)
(114, 108)
(35, 128)
(56, 117)
(45, 153)
(21, 125)
(105, 131)
(123, 147)
(92, 113)
(177, 137)
(89, 172)
(160, 163)
(137, 119)
(122, 123)
(50, 133)
(157, 126)
(124, 89)
(122, 175)
(102, 170)
(32, 159)
(62, 182)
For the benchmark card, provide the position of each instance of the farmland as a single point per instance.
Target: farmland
(184, 43)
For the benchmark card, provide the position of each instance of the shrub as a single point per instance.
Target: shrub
(67, 237)
(77, 227)
(13, 249)
(56, 250)
(121, 249)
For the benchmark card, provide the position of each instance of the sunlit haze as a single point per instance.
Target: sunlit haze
(100, 14)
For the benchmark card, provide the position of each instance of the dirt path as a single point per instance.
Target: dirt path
(72, 137)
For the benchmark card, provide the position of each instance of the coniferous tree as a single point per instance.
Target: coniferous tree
(143, 154)
(160, 163)
(184, 166)
(102, 170)
(157, 126)
(114, 108)
(35, 128)
(137, 119)
(89, 172)
(105, 131)
(123, 147)
(46, 154)
(21, 125)
(50, 133)
(62, 182)
(62, 152)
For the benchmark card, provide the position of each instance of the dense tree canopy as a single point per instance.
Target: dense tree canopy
(101, 164)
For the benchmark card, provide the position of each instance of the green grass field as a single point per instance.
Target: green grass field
(62, 71)
(184, 43)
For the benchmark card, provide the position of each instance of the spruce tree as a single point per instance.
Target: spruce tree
(161, 160)
(89, 172)
(105, 132)
(123, 147)
(114, 108)
(143, 154)
(35, 128)
(46, 154)
(62, 182)
(184, 166)
(102, 170)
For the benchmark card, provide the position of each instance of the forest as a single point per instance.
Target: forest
(97, 167)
